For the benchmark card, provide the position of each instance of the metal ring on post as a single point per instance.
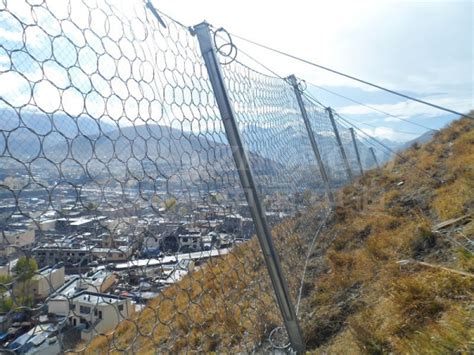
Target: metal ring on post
(302, 86)
(226, 50)
(275, 338)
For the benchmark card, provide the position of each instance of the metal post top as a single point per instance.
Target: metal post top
(292, 79)
(203, 24)
(203, 32)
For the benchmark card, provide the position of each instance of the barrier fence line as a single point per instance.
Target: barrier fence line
(332, 154)
(138, 157)
(372, 151)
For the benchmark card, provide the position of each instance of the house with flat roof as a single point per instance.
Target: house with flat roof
(96, 313)
(53, 253)
(58, 303)
(46, 281)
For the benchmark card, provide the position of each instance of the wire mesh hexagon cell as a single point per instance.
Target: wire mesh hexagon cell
(121, 210)
(330, 151)
(286, 170)
(124, 224)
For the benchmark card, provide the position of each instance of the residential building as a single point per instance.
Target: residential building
(53, 253)
(96, 313)
(112, 254)
(46, 281)
(58, 303)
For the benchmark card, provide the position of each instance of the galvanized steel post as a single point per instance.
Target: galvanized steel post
(356, 150)
(341, 147)
(272, 261)
(374, 156)
(314, 145)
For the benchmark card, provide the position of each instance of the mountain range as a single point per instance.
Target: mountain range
(99, 144)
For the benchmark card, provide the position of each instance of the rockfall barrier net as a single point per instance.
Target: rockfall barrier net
(123, 222)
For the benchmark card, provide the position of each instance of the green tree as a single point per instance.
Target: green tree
(25, 268)
(5, 279)
(91, 206)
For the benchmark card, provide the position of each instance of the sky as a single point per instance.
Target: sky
(421, 48)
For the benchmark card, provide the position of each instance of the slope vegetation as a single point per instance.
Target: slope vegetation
(383, 277)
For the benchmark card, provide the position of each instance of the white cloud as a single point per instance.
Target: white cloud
(404, 45)
(408, 108)
(388, 133)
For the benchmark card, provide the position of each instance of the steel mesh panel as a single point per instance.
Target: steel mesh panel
(327, 143)
(284, 165)
(363, 145)
(272, 130)
(124, 227)
(367, 158)
(113, 161)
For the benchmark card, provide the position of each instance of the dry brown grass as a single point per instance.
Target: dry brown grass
(359, 298)
(369, 303)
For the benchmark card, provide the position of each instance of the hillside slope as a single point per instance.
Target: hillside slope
(383, 277)
(405, 285)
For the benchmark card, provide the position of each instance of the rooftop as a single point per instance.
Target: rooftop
(97, 298)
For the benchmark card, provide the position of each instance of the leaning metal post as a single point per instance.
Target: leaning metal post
(304, 114)
(356, 150)
(374, 156)
(272, 261)
(341, 147)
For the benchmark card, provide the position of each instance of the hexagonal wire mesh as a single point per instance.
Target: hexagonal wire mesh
(363, 146)
(124, 226)
(286, 169)
(116, 183)
(330, 150)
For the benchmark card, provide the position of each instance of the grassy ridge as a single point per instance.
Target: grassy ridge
(365, 288)
(369, 301)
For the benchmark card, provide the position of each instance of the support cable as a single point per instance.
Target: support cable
(374, 126)
(352, 77)
(308, 255)
(325, 107)
(372, 108)
(310, 97)
(330, 70)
